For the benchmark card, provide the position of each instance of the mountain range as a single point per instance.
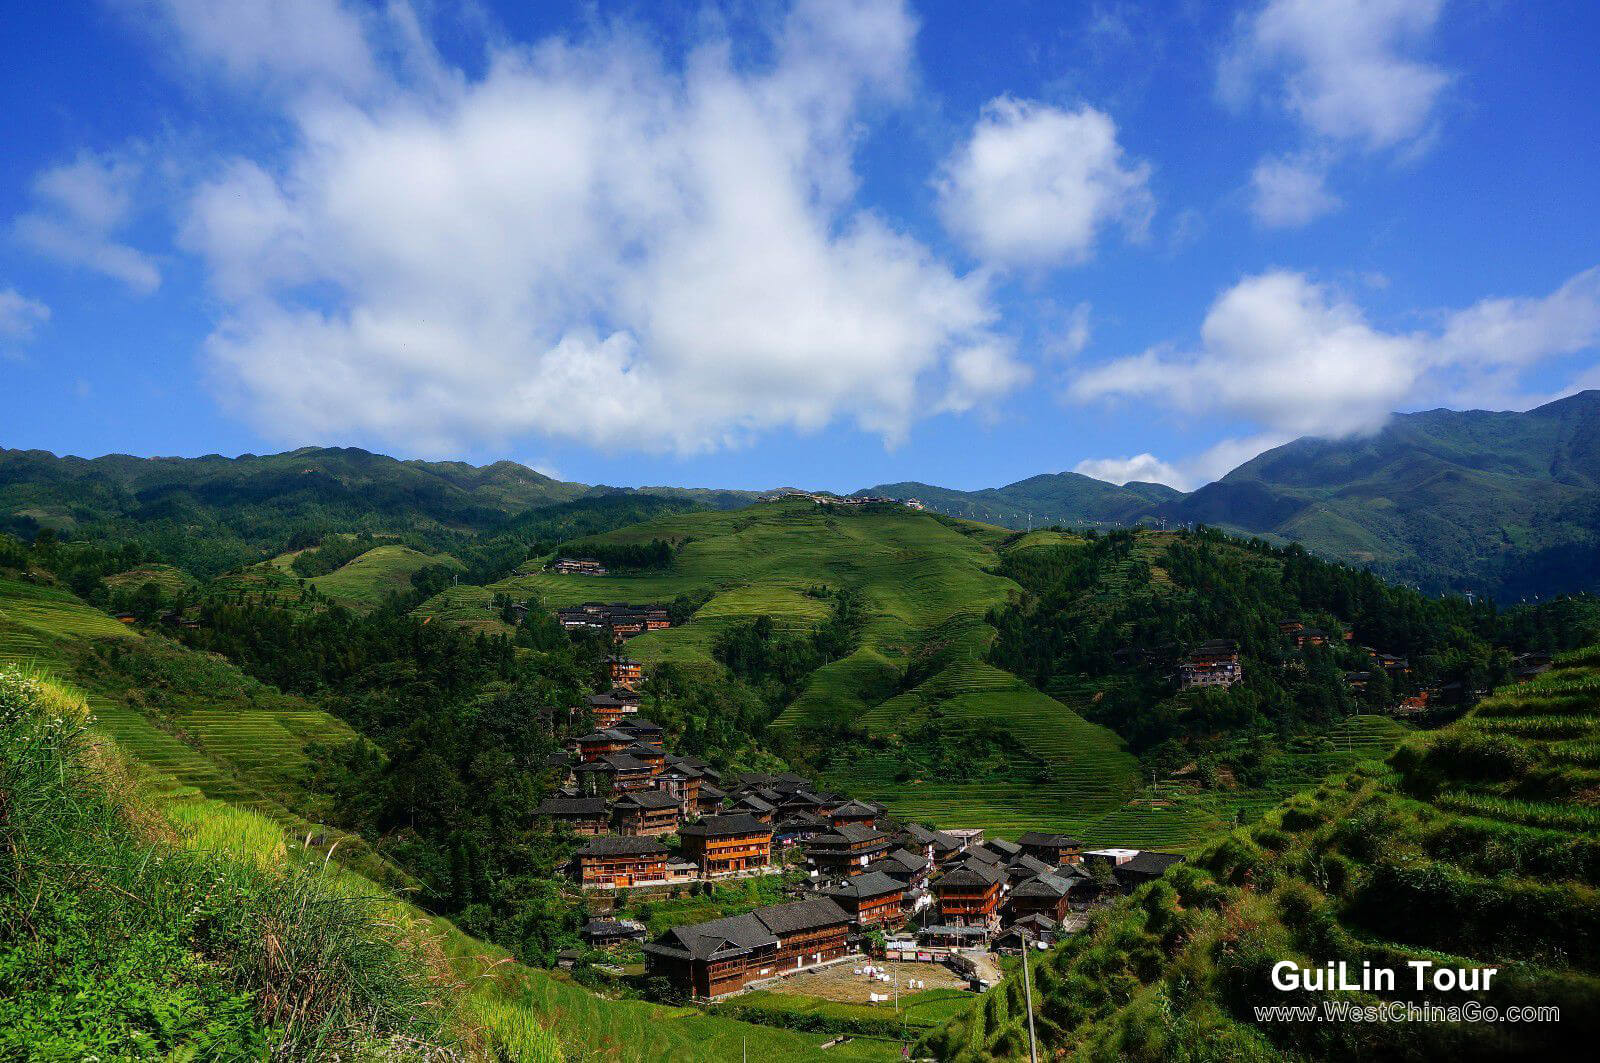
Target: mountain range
(1503, 504)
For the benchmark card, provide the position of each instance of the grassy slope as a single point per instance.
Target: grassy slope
(1478, 845)
(365, 581)
(221, 790)
(928, 588)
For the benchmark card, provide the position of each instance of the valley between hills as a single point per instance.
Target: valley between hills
(393, 700)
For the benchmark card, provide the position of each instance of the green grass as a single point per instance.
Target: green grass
(172, 581)
(466, 605)
(367, 581)
(920, 1011)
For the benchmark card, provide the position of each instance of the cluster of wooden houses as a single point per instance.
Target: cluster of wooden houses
(865, 873)
(618, 619)
(576, 566)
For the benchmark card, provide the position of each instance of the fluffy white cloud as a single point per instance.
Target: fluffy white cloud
(19, 315)
(1287, 193)
(1146, 468)
(81, 206)
(1347, 69)
(591, 242)
(293, 43)
(1298, 358)
(1185, 473)
(1034, 185)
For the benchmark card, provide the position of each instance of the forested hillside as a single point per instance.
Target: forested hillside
(1477, 846)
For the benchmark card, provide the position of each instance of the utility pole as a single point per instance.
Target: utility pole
(1027, 994)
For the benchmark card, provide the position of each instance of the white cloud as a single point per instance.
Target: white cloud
(1035, 185)
(1288, 193)
(81, 207)
(292, 43)
(1346, 69)
(1073, 333)
(592, 243)
(1146, 468)
(1349, 72)
(1298, 358)
(1185, 474)
(19, 315)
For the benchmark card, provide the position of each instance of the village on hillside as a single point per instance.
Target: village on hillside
(861, 884)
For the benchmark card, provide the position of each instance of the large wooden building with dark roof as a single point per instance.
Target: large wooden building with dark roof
(621, 862)
(872, 898)
(722, 956)
(722, 845)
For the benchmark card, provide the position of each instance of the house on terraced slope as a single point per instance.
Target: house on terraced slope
(585, 816)
(646, 813)
(613, 862)
(970, 895)
(846, 850)
(853, 813)
(724, 845)
(1053, 849)
(1214, 663)
(719, 957)
(625, 672)
(1045, 894)
(872, 898)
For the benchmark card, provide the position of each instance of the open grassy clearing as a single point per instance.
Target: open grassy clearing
(365, 582)
(171, 581)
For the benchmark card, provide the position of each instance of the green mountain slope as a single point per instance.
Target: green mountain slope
(1052, 498)
(213, 513)
(1506, 504)
(1477, 846)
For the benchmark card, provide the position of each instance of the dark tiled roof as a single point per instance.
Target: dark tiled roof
(753, 802)
(636, 725)
(1151, 864)
(648, 799)
(853, 808)
(615, 845)
(1046, 885)
(1006, 850)
(722, 826)
(801, 915)
(1023, 866)
(865, 886)
(623, 762)
(971, 875)
(1039, 839)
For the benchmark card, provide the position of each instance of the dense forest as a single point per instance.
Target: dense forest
(1096, 617)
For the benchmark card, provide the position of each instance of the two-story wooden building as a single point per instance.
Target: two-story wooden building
(645, 813)
(970, 894)
(625, 672)
(722, 956)
(723, 845)
(1053, 849)
(872, 898)
(1044, 894)
(584, 816)
(611, 861)
(846, 850)
(853, 813)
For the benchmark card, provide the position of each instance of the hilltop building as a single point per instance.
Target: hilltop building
(722, 956)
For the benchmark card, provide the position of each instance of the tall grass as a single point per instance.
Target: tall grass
(117, 943)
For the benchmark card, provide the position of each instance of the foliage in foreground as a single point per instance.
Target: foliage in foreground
(116, 943)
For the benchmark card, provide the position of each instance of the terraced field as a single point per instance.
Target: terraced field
(172, 581)
(1473, 847)
(366, 581)
(470, 607)
(249, 757)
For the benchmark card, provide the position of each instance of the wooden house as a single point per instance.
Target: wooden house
(722, 845)
(970, 894)
(872, 898)
(610, 861)
(719, 957)
(625, 672)
(846, 850)
(645, 813)
(596, 745)
(585, 816)
(853, 813)
(1053, 849)
(1214, 663)
(1045, 894)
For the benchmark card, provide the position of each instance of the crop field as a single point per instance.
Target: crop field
(171, 581)
(370, 578)
(469, 606)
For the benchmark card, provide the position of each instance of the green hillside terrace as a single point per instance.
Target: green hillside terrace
(1474, 847)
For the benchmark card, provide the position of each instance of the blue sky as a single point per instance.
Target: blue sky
(825, 244)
